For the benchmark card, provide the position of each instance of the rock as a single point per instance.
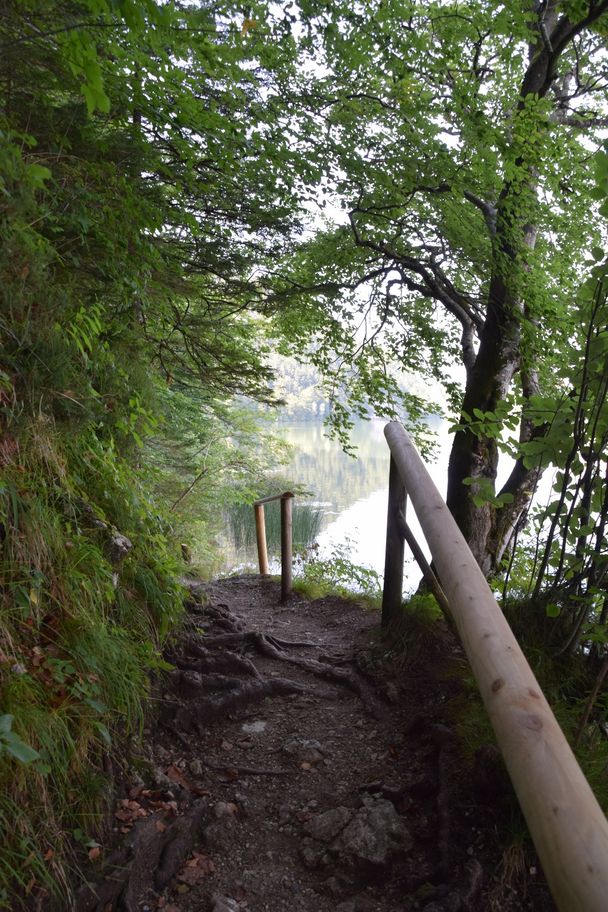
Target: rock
(285, 813)
(304, 749)
(392, 692)
(162, 781)
(310, 853)
(223, 809)
(119, 546)
(325, 827)
(364, 903)
(374, 836)
(254, 728)
(196, 768)
(219, 836)
(221, 903)
(338, 885)
(161, 752)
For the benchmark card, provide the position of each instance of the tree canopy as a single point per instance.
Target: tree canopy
(458, 141)
(185, 189)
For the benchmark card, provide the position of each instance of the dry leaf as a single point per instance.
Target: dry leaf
(176, 775)
(160, 826)
(94, 853)
(50, 853)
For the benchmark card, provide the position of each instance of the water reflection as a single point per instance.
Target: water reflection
(360, 505)
(352, 492)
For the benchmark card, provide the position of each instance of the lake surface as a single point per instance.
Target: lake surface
(352, 492)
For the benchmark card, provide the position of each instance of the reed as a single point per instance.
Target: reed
(306, 526)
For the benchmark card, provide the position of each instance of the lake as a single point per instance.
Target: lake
(352, 492)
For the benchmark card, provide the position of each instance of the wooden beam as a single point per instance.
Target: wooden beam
(392, 592)
(260, 534)
(286, 545)
(426, 569)
(568, 827)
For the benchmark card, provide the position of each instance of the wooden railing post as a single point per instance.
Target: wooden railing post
(286, 545)
(260, 534)
(394, 555)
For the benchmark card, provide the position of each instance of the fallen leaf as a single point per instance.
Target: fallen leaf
(174, 773)
(94, 853)
(197, 867)
(160, 826)
(50, 853)
(123, 815)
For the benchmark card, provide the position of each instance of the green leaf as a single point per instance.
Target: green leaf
(553, 611)
(38, 174)
(97, 705)
(19, 749)
(103, 731)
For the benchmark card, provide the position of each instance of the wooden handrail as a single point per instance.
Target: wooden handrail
(568, 827)
(286, 499)
(265, 500)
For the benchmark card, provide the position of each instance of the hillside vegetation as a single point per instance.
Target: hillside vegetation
(164, 169)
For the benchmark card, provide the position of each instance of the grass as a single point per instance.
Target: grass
(79, 638)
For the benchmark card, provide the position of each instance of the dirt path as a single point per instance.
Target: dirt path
(288, 773)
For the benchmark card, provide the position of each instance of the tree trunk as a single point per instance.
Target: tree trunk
(474, 458)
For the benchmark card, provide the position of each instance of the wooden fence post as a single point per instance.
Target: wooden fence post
(286, 545)
(395, 549)
(260, 534)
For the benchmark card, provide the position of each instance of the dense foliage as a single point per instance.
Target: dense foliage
(138, 197)
(458, 140)
(161, 170)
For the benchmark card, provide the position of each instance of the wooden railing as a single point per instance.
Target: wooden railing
(286, 499)
(568, 827)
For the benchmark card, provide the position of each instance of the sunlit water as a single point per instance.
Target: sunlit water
(352, 492)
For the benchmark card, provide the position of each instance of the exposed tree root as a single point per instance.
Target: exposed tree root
(145, 863)
(272, 648)
(229, 695)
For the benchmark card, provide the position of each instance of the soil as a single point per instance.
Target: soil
(297, 763)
